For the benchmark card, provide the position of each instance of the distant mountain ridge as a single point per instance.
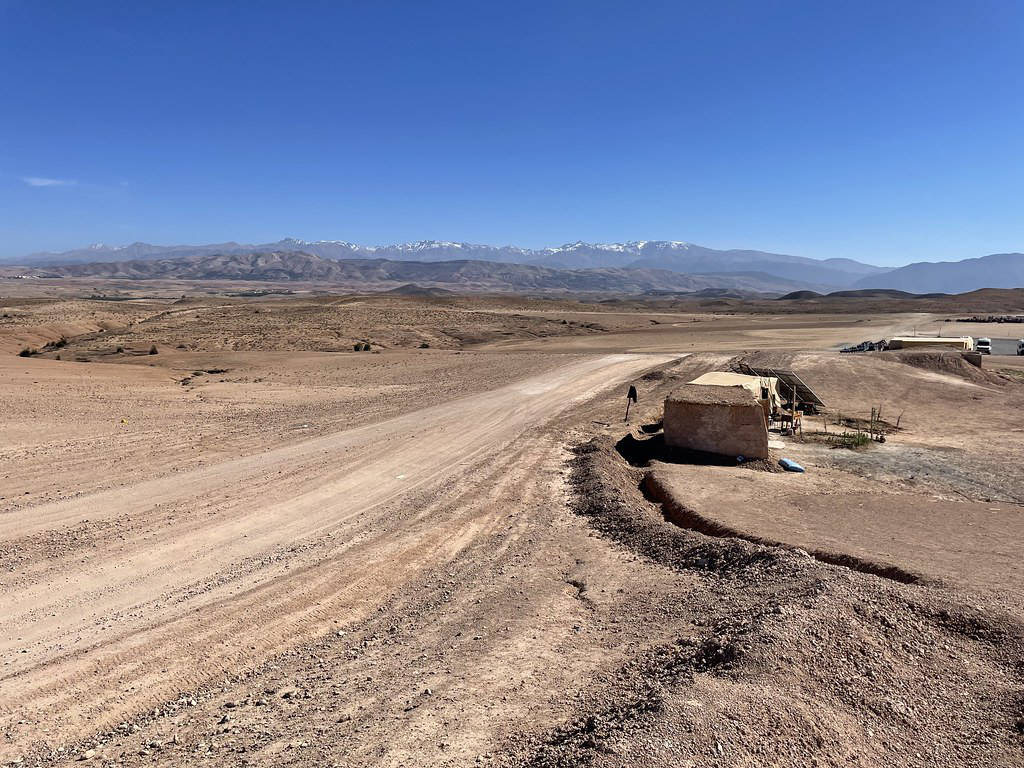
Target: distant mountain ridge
(998, 270)
(385, 274)
(784, 272)
(671, 255)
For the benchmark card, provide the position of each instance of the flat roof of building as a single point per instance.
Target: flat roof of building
(730, 379)
(711, 394)
(933, 339)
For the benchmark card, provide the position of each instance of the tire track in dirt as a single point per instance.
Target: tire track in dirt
(132, 624)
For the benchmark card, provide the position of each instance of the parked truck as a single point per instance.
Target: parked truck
(984, 346)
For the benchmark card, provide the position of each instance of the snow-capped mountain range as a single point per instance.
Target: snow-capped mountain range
(671, 255)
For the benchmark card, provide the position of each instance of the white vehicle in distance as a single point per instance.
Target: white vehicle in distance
(984, 346)
(1020, 347)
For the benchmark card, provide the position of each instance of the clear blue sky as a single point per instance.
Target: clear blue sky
(884, 131)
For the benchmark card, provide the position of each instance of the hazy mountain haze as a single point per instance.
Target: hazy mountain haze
(999, 270)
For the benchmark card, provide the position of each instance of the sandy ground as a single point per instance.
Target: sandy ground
(247, 557)
(728, 332)
(107, 425)
(258, 547)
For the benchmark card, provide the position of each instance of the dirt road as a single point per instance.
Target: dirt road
(234, 553)
(117, 602)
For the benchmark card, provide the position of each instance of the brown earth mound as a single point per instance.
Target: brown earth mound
(943, 361)
(788, 661)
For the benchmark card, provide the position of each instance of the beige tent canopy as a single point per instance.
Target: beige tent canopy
(764, 388)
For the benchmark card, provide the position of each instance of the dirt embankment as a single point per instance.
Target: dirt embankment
(789, 661)
(945, 362)
(660, 487)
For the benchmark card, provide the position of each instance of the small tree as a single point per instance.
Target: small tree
(153, 350)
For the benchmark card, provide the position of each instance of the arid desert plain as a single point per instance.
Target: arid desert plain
(229, 537)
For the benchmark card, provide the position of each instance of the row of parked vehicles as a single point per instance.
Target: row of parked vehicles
(982, 346)
(868, 346)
